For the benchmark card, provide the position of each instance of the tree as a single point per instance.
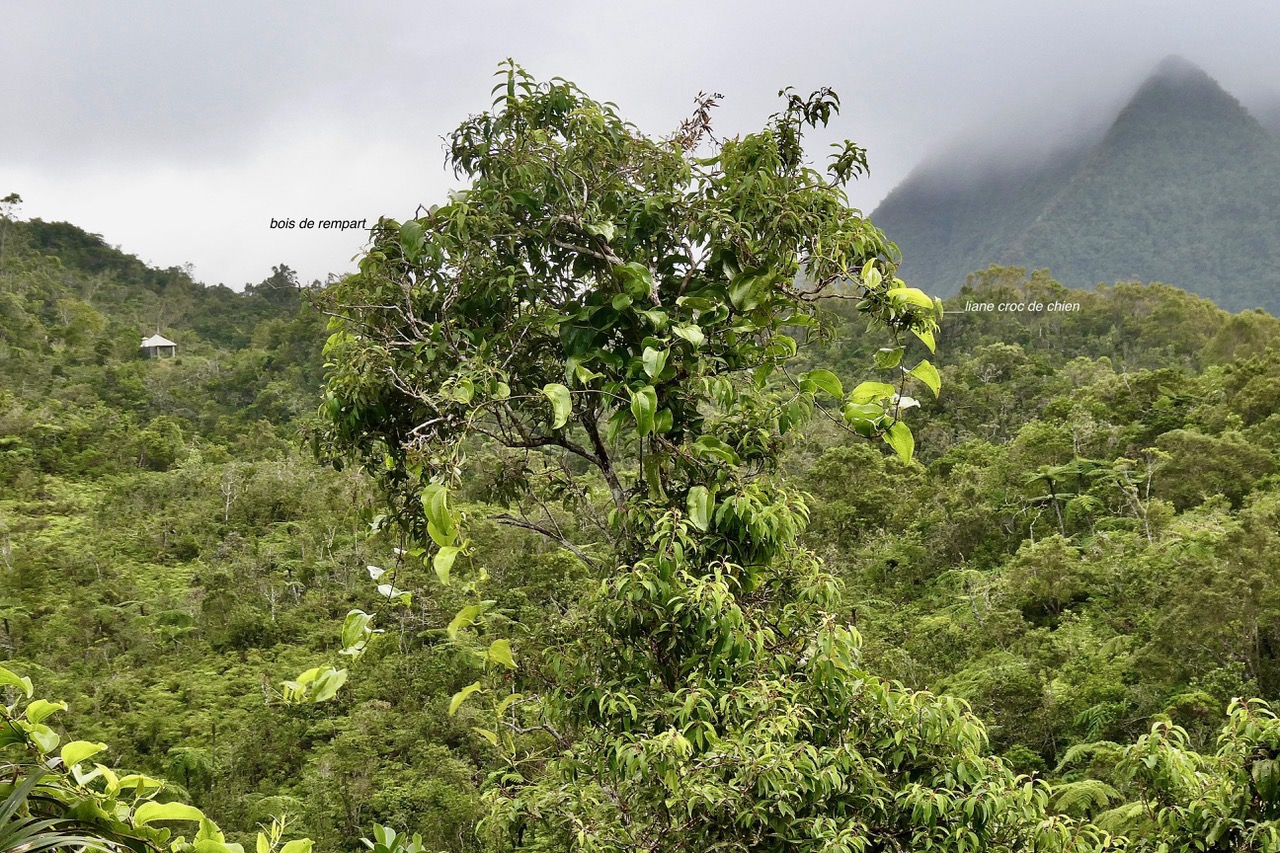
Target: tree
(621, 313)
(8, 212)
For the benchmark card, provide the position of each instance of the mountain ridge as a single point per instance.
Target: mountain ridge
(1184, 188)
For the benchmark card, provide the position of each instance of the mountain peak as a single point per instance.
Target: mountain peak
(1182, 188)
(1174, 68)
(1180, 99)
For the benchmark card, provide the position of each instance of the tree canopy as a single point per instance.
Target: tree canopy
(624, 313)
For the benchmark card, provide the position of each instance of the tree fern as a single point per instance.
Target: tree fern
(1083, 798)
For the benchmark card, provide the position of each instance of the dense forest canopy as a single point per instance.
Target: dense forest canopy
(1080, 550)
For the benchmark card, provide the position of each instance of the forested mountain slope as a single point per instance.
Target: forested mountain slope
(1085, 544)
(1183, 188)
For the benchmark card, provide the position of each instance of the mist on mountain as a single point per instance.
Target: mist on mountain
(1181, 186)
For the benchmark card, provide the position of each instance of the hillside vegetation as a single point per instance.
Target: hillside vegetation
(1084, 547)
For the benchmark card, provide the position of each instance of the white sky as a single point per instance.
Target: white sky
(178, 131)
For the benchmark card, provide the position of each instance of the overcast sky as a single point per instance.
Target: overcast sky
(179, 130)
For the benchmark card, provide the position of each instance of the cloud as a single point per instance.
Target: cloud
(178, 130)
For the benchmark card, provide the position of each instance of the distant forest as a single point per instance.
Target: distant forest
(1086, 543)
(608, 555)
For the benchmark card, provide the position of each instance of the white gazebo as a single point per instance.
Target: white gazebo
(157, 346)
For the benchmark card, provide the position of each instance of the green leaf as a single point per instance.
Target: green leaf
(507, 702)
(912, 296)
(900, 439)
(888, 358)
(78, 750)
(139, 785)
(441, 527)
(691, 333)
(500, 652)
(926, 335)
(637, 280)
(644, 405)
(298, 845)
(746, 292)
(113, 781)
(700, 507)
(585, 376)
(657, 318)
(709, 445)
(868, 392)
(45, 738)
(492, 737)
(464, 618)
(151, 811)
(354, 628)
(411, 239)
(40, 709)
(826, 381)
(461, 696)
(863, 412)
(871, 277)
(209, 831)
(663, 421)
(621, 302)
(654, 361)
(327, 685)
(21, 682)
(928, 374)
(443, 562)
(561, 404)
(264, 846)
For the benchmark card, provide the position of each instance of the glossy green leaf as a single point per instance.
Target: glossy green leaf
(328, 684)
(442, 529)
(354, 628)
(888, 358)
(45, 738)
(710, 446)
(747, 292)
(912, 296)
(38, 710)
(561, 404)
(691, 333)
(868, 392)
(654, 362)
(464, 618)
(899, 437)
(151, 811)
(928, 374)
(461, 696)
(411, 239)
(443, 562)
(700, 506)
(500, 652)
(644, 405)
(826, 381)
(79, 750)
(21, 682)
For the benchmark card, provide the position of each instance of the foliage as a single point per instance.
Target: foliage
(615, 307)
(57, 802)
(1082, 545)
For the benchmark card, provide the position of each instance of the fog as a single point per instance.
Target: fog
(178, 132)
